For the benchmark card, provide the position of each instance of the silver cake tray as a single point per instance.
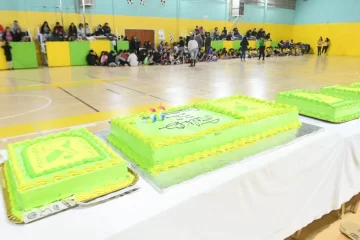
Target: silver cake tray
(163, 181)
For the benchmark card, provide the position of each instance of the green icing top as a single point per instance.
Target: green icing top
(318, 98)
(186, 121)
(59, 152)
(356, 84)
(340, 88)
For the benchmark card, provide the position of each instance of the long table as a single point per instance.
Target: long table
(268, 196)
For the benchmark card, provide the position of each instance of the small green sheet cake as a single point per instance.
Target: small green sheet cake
(356, 84)
(53, 168)
(193, 132)
(321, 106)
(343, 91)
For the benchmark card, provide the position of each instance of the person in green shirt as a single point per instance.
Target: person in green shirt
(262, 48)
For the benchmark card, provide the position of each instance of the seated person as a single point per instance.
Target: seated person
(99, 31)
(281, 45)
(291, 44)
(45, 30)
(254, 33)
(18, 35)
(248, 34)
(8, 35)
(260, 34)
(268, 37)
(15, 26)
(157, 57)
(236, 33)
(111, 59)
(132, 59)
(229, 37)
(121, 59)
(73, 34)
(1, 29)
(142, 56)
(58, 32)
(201, 55)
(106, 29)
(81, 31)
(103, 58)
(165, 59)
(92, 58)
(88, 31)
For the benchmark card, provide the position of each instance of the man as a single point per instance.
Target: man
(207, 44)
(199, 40)
(135, 44)
(193, 48)
(15, 26)
(262, 48)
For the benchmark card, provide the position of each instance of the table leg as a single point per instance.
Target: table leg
(354, 207)
(296, 235)
(342, 211)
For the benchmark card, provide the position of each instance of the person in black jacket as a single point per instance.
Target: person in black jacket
(18, 35)
(45, 30)
(111, 59)
(243, 46)
(99, 31)
(8, 55)
(72, 32)
(135, 44)
(92, 58)
(207, 44)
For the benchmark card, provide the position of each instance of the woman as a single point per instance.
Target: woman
(243, 46)
(8, 35)
(45, 30)
(72, 32)
(320, 44)
(326, 45)
(215, 34)
(18, 35)
(81, 31)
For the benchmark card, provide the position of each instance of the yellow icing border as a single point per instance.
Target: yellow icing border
(224, 148)
(24, 185)
(81, 197)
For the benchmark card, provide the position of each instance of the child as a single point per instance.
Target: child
(132, 59)
(210, 54)
(164, 59)
(201, 56)
(8, 56)
(92, 58)
(111, 59)
(103, 58)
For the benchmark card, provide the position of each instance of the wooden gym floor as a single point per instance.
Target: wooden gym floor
(46, 100)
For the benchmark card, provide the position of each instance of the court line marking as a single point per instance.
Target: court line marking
(34, 110)
(113, 91)
(124, 87)
(80, 100)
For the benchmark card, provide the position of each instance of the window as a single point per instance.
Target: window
(288, 4)
(237, 8)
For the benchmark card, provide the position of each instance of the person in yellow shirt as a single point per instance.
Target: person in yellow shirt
(320, 44)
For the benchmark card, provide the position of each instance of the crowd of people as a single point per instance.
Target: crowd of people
(14, 34)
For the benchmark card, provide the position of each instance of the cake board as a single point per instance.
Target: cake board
(63, 204)
(168, 179)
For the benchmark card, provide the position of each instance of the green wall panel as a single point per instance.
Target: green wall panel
(123, 45)
(274, 44)
(217, 45)
(78, 52)
(236, 44)
(24, 55)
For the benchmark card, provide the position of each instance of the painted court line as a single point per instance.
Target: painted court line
(34, 110)
(80, 100)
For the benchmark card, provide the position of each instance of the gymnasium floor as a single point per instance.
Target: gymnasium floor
(47, 100)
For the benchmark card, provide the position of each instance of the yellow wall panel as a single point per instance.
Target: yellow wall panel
(58, 54)
(99, 46)
(343, 38)
(228, 44)
(3, 63)
(252, 44)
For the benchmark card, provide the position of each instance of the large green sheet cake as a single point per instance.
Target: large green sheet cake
(321, 105)
(72, 165)
(351, 92)
(194, 132)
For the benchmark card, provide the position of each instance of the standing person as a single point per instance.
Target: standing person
(262, 48)
(193, 48)
(199, 40)
(326, 45)
(319, 45)
(243, 46)
(207, 43)
(8, 56)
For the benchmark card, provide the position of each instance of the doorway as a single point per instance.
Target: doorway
(142, 34)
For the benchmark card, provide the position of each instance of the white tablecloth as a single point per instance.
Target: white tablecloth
(268, 196)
